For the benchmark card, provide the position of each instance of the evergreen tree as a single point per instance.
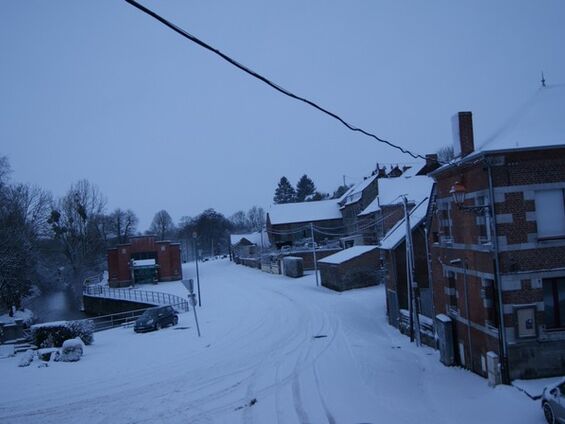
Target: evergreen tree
(285, 192)
(304, 188)
(319, 196)
(340, 191)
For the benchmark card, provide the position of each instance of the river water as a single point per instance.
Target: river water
(55, 306)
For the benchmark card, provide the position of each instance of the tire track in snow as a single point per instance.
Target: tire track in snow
(329, 415)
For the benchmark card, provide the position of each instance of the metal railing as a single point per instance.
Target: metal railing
(142, 296)
(121, 319)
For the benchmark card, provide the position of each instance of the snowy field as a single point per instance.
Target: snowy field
(260, 360)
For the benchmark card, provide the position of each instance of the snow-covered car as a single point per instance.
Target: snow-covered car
(553, 403)
(156, 318)
(311, 245)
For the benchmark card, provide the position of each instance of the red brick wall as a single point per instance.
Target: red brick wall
(518, 253)
(355, 273)
(167, 256)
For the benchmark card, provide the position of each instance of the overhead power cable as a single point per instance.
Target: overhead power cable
(265, 80)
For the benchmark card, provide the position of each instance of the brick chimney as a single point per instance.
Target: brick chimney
(431, 160)
(463, 143)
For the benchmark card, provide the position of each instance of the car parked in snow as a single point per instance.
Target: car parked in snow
(156, 318)
(553, 403)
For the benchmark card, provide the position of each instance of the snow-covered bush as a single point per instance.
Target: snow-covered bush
(84, 329)
(71, 351)
(47, 354)
(53, 334)
(27, 358)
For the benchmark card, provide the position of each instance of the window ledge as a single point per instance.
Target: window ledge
(551, 238)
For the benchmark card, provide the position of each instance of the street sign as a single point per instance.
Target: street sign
(189, 284)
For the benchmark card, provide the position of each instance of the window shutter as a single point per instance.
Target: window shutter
(550, 213)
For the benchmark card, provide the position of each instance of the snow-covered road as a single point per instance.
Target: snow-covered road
(274, 350)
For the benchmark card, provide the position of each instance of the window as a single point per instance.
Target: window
(554, 301)
(550, 213)
(525, 318)
(452, 289)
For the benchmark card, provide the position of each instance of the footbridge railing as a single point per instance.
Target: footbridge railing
(142, 296)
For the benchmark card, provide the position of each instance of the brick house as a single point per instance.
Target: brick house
(497, 242)
(353, 202)
(386, 209)
(143, 259)
(351, 268)
(289, 223)
(393, 261)
(248, 245)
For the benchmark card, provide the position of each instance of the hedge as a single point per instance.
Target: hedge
(53, 334)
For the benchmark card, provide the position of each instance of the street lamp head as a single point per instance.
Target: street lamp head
(458, 192)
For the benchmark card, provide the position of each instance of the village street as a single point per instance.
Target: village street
(274, 350)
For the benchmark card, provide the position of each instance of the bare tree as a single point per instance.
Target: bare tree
(23, 218)
(162, 225)
(5, 170)
(256, 217)
(240, 222)
(75, 221)
(445, 154)
(123, 224)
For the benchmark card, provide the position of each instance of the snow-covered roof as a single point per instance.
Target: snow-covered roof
(537, 123)
(254, 238)
(397, 233)
(414, 169)
(354, 193)
(416, 188)
(347, 254)
(144, 262)
(288, 213)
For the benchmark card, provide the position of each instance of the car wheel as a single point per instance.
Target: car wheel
(158, 326)
(548, 413)
(175, 320)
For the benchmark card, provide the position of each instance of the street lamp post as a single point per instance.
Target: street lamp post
(194, 235)
(458, 192)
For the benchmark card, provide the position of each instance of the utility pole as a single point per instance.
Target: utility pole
(314, 253)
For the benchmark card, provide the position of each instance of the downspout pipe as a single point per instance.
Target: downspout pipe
(503, 346)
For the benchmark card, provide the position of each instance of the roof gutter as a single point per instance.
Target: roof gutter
(480, 155)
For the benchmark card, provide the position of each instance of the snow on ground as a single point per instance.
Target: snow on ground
(274, 350)
(26, 315)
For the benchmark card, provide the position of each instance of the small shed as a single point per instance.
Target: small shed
(248, 245)
(351, 268)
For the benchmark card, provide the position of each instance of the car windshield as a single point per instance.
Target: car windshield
(150, 313)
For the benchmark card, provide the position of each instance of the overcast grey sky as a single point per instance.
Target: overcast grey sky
(98, 90)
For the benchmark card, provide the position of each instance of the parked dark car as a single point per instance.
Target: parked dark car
(156, 318)
(553, 403)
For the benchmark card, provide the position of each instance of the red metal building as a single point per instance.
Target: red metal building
(144, 259)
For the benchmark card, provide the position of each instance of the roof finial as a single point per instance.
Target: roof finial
(542, 79)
